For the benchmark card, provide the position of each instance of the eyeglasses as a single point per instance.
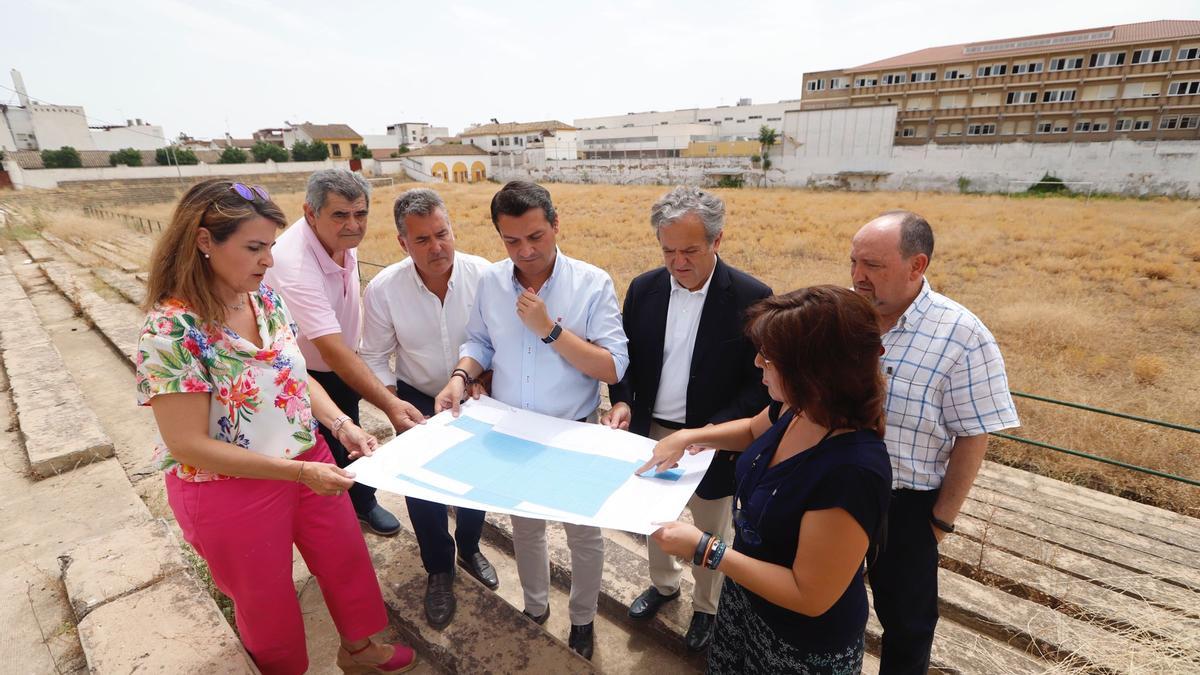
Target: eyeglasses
(250, 192)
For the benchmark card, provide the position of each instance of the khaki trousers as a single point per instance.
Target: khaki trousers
(710, 515)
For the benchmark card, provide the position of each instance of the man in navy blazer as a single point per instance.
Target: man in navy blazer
(690, 364)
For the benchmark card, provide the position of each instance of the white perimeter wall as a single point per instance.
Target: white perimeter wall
(50, 178)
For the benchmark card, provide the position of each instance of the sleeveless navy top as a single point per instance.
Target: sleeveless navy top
(850, 471)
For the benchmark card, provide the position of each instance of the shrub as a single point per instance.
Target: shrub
(232, 155)
(175, 155)
(65, 157)
(731, 182)
(126, 156)
(1048, 185)
(964, 184)
(404, 149)
(310, 152)
(263, 151)
(360, 152)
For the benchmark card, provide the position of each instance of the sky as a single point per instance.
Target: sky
(207, 68)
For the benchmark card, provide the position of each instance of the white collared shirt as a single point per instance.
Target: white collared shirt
(679, 342)
(528, 373)
(945, 379)
(404, 319)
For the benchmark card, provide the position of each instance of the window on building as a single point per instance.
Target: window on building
(756, 117)
(1044, 127)
(1151, 55)
(1066, 63)
(866, 82)
(981, 130)
(839, 83)
(1142, 89)
(1168, 122)
(924, 76)
(1060, 126)
(1189, 122)
(335, 149)
(1058, 95)
(1030, 67)
(1099, 125)
(774, 119)
(1021, 97)
(1083, 125)
(950, 129)
(895, 78)
(951, 101)
(1141, 124)
(991, 70)
(956, 74)
(1188, 54)
(728, 119)
(918, 103)
(1106, 59)
(908, 132)
(493, 143)
(816, 85)
(704, 119)
(1124, 124)
(1099, 92)
(1184, 88)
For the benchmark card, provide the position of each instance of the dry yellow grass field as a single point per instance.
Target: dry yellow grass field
(1092, 302)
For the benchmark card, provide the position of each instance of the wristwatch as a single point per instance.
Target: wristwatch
(942, 525)
(554, 333)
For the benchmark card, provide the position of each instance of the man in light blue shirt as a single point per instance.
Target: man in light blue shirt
(550, 329)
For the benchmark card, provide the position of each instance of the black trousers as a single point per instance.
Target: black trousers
(429, 519)
(346, 399)
(904, 584)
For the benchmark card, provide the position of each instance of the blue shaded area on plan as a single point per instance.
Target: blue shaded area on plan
(506, 470)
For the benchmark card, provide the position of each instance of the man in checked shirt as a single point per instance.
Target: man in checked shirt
(946, 391)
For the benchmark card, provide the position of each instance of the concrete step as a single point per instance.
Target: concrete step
(46, 401)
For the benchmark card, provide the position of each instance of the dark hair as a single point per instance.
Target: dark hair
(519, 196)
(824, 342)
(916, 236)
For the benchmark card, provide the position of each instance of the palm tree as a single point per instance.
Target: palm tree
(766, 138)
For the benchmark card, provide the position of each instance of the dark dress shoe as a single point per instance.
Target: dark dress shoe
(646, 605)
(478, 566)
(380, 521)
(439, 599)
(581, 639)
(539, 620)
(700, 631)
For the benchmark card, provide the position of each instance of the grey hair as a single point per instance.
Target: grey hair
(916, 236)
(687, 199)
(416, 202)
(345, 183)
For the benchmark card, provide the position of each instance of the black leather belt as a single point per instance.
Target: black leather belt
(667, 424)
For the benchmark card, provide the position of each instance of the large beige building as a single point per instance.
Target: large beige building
(1139, 81)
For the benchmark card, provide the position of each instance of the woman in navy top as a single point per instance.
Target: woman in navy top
(813, 485)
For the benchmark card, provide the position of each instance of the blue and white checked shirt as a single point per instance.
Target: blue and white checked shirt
(528, 373)
(945, 379)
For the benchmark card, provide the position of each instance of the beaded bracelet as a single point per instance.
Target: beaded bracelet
(718, 552)
(466, 377)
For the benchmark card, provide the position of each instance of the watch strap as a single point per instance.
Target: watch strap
(554, 333)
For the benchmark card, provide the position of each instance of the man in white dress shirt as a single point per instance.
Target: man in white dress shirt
(415, 312)
(549, 327)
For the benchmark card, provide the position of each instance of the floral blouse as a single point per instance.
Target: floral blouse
(259, 397)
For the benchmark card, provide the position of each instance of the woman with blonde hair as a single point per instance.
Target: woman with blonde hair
(247, 476)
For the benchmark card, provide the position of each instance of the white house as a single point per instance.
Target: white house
(670, 133)
(416, 134)
(515, 137)
(443, 164)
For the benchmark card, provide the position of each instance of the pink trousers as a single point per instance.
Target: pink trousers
(245, 528)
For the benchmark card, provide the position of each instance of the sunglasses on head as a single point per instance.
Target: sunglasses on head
(250, 192)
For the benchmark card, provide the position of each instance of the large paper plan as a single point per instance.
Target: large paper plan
(497, 458)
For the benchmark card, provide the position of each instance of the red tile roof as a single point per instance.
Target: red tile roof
(1147, 31)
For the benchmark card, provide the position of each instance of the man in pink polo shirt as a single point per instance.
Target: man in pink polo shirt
(316, 272)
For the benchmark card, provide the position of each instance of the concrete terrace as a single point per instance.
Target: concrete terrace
(1043, 576)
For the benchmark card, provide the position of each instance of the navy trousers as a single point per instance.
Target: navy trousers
(346, 399)
(429, 519)
(904, 584)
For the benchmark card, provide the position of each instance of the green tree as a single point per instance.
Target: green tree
(126, 156)
(767, 137)
(65, 157)
(175, 155)
(361, 152)
(232, 155)
(310, 152)
(263, 151)
(404, 148)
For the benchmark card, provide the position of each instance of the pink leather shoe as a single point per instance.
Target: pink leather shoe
(403, 659)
